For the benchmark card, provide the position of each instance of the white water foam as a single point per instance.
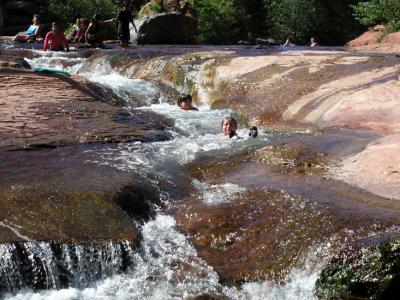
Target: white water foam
(167, 267)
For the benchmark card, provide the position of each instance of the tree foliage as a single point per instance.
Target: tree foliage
(67, 11)
(379, 12)
(227, 21)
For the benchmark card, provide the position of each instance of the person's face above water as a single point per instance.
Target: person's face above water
(35, 21)
(186, 104)
(228, 126)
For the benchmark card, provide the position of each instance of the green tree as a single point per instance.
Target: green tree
(379, 12)
(331, 21)
(216, 21)
(67, 11)
(294, 19)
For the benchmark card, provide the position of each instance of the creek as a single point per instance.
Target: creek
(167, 263)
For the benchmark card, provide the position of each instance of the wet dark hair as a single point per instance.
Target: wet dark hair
(184, 98)
(228, 119)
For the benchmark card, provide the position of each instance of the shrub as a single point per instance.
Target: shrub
(379, 12)
(216, 21)
(291, 18)
(67, 11)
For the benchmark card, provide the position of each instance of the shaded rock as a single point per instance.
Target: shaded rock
(369, 269)
(21, 7)
(165, 28)
(69, 195)
(18, 21)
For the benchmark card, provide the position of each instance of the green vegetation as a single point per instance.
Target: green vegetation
(333, 22)
(68, 11)
(225, 21)
(385, 12)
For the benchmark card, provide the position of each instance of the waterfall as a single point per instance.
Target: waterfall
(44, 265)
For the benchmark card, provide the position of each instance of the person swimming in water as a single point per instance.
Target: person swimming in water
(31, 34)
(229, 127)
(185, 103)
(314, 42)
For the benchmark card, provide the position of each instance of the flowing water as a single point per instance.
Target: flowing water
(167, 265)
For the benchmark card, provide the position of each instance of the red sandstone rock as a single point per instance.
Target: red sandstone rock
(368, 38)
(393, 38)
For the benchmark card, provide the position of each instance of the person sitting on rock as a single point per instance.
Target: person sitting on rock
(92, 32)
(71, 37)
(80, 33)
(229, 127)
(314, 42)
(55, 40)
(125, 17)
(31, 34)
(185, 103)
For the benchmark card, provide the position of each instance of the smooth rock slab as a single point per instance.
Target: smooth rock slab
(54, 110)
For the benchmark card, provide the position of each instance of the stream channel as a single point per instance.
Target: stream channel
(167, 264)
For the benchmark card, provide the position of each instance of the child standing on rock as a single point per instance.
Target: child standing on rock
(125, 17)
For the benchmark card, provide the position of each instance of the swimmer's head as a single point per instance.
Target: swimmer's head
(229, 126)
(185, 102)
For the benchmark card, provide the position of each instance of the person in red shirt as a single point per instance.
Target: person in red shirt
(55, 40)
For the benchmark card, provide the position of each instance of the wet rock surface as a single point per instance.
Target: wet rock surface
(278, 203)
(54, 110)
(53, 184)
(369, 269)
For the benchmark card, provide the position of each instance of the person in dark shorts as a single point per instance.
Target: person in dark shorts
(125, 17)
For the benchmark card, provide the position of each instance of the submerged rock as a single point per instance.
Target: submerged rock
(370, 271)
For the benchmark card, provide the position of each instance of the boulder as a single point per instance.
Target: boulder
(19, 20)
(370, 37)
(165, 28)
(393, 38)
(367, 270)
(25, 8)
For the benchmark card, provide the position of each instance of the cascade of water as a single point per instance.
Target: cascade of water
(167, 265)
(42, 265)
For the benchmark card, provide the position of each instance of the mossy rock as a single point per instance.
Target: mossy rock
(154, 7)
(370, 272)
